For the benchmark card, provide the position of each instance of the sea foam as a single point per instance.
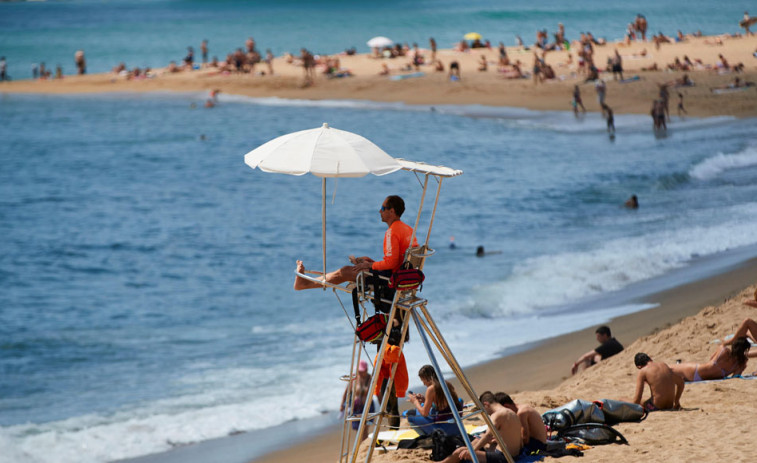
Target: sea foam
(721, 162)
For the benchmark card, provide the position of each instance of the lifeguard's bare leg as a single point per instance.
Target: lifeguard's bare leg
(347, 273)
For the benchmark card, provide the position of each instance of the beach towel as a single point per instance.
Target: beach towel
(630, 79)
(747, 377)
(407, 76)
(723, 91)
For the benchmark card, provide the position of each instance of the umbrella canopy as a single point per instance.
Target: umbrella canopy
(380, 42)
(472, 36)
(323, 152)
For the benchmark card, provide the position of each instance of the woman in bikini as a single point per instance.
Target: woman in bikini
(432, 410)
(727, 360)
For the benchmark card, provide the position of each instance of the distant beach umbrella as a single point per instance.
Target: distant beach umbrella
(472, 36)
(380, 42)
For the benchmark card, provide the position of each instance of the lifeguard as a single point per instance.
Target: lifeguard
(396, 241)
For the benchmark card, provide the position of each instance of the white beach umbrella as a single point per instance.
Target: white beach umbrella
(380, 42)
(323, 152)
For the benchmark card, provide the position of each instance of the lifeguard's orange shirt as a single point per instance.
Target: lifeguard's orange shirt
(396, 242)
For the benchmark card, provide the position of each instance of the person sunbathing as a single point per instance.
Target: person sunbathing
(726, 361)
(751, 302)
(747, 328)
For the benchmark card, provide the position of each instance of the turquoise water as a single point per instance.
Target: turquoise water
(147, 271)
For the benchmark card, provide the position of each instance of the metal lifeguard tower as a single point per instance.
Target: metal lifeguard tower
(328, 152)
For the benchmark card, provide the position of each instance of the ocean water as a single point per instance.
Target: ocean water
(147, 271)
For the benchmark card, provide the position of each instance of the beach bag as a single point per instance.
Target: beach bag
(420, 442)
(443, 445)
(617, 411)
(574, 412)
(593, 434)
(557, 420)
(406, 278)
(372, 329)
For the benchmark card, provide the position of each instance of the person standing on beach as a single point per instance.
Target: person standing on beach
(269, 61)
(250, 45)
(665, 386)
(665, 100)
(610, 119)
(577, 100)
(538, 64)
(601, 88)
(680, 105)
(608, 346)
(81, 63)
(360, 386)
(308, 64)
(204, 51)
(641, 26)
(658, 115)
(617, 66)
(432, 44)
(747, 22)
(189, 59)
(3, 69)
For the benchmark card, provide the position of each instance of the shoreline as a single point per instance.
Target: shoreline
(488, 88)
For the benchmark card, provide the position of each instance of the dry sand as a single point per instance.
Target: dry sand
(485, 88)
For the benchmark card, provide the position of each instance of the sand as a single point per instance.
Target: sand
(717, 417)
(486, 88)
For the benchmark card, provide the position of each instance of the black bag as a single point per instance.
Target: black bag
(593, 434)
(444, 445)
(617, 411)
(420, 442)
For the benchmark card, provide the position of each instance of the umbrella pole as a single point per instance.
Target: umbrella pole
(323, 224)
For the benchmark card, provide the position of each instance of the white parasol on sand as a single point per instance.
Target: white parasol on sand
(380, 42)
